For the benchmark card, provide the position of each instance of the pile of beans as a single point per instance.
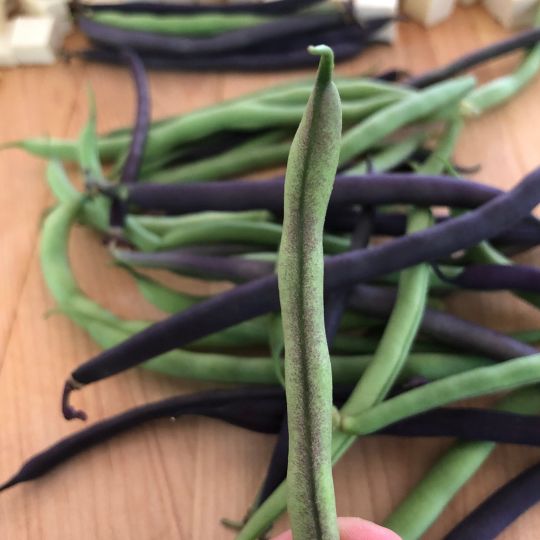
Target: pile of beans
(241, 37)
(338, 275)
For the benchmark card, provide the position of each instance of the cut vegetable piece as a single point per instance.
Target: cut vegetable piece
(35, 40)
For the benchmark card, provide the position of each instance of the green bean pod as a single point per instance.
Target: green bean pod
(243, 115)
(309, 178)
(500, 90)
(238, 231)
(390, 156)
(260, 152)
(512, 374)
(196, 25)
(409, 109)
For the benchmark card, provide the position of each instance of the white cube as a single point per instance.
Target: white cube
(55, 8)
(513, 13)
(374, 9)
(35, 40)
(429, 12)
(7, 58)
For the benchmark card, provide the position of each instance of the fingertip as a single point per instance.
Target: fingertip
(352, 528)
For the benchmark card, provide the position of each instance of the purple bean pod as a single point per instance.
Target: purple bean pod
(369, 190)
(501, 509)
(519, 41)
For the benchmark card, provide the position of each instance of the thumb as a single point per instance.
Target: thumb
(356, 529)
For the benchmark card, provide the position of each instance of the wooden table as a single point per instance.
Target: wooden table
(165, 481)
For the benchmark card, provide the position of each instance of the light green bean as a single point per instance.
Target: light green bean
(311, 169)
(509, 375)
(238, 232)
(416, 107)
(196, 25)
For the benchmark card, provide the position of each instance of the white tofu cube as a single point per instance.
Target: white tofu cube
(373, 9)
(7, 58)
(513, 13)
(55, 8)
(429, 12)
(35, 40)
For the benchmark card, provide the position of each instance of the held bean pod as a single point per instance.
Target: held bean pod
(311, 169)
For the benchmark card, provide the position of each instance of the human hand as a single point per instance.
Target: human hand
(356, 529)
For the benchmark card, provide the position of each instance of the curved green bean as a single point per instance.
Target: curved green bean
(500, 90)
(400, 331)
(164, 224)
(258, 233)
(258, 153)
(390, 156)
(311, 169)
(244, 115)
(512, 374)
(415, 107)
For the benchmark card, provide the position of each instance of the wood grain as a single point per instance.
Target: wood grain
(176, 480)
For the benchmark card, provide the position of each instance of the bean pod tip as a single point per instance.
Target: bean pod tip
(70, 412)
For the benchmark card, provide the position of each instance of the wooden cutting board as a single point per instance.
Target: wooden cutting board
(175, 481)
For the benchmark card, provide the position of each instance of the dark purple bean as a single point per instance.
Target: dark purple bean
(214, 144)
(277, 468)
(261, 62)
(372, 190)
(132, 165)
(261, 296)
(256, 409)
(202, 266)
(495, 277)
(262, 410)
(519, 41)
(444, 327)
(346, 32)
(222, 43)
(525, 233)
(133, 162)
(337, 302)
(235, 399)
(501, 509)
(393, 75)
(470, 424)
(275, 7)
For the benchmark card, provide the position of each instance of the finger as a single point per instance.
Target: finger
(356, 529)
(360, 529)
